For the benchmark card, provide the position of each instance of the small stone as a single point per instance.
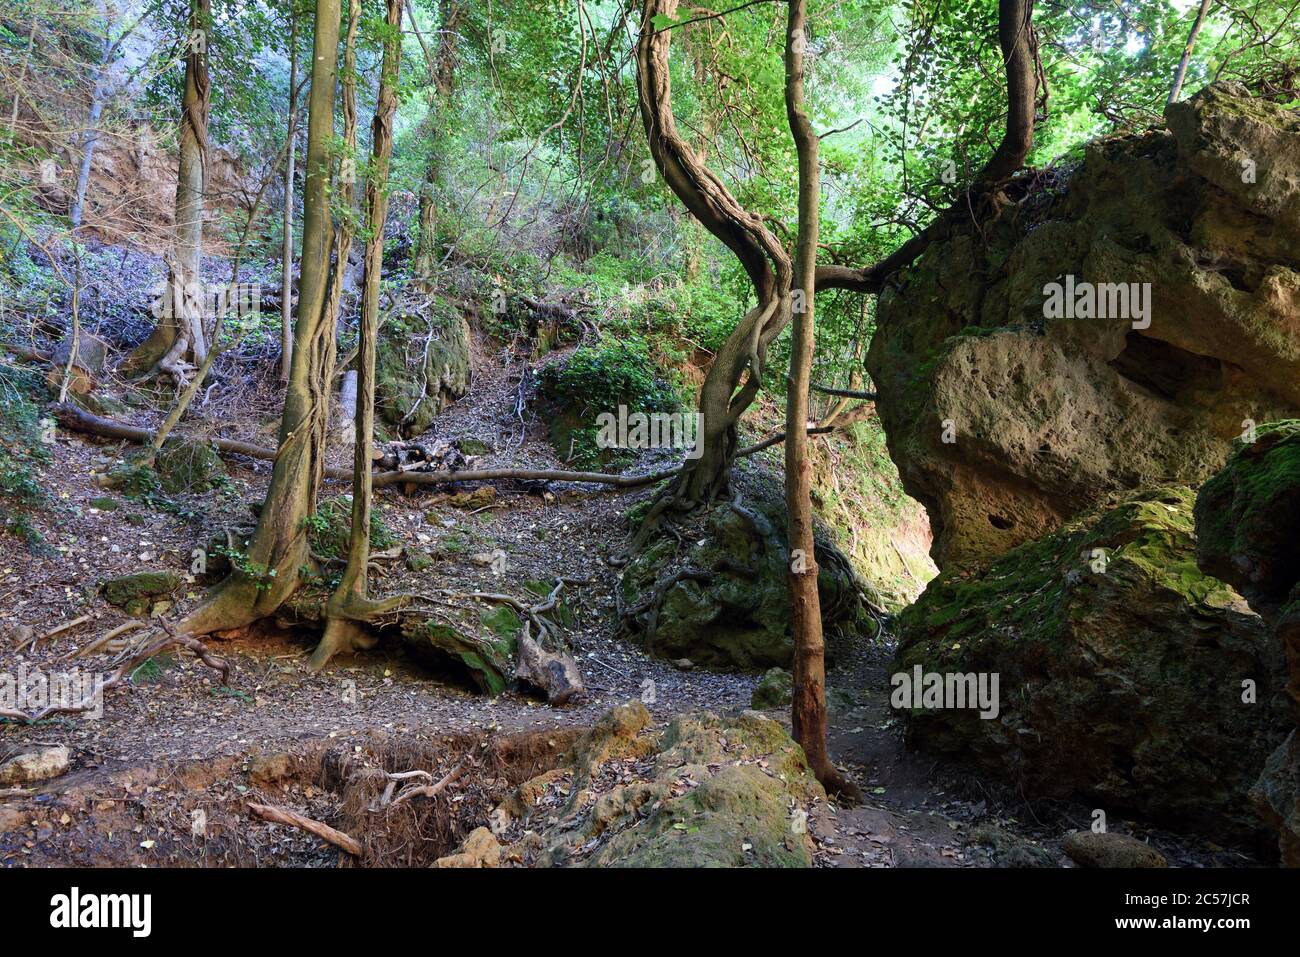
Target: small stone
(1106, 849)
(34, 766)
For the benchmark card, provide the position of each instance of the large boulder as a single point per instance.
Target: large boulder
(722, 599)
(1124, 674)
(704, 792)
(1007, 415)
(1248, 533)
(422, 363)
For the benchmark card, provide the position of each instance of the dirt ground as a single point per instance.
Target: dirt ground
(164, 777)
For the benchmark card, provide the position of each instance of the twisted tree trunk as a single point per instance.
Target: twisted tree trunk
(270, 570)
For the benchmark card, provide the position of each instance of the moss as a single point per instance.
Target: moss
(189, 466)
(421, 363)
(331, 527)
(136, 593)
(104, 503)
(488, 662)
(773, 690)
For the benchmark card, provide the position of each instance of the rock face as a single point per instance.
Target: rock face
(1248, 533)
(1120, 666)
(34, 766)
(727, 604)
(704, 792)
(422, 363)
(187, 465)
(1007, 416)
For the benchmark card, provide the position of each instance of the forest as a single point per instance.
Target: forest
(522, 434)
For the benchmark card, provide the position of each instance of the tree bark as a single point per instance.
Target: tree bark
(91, 135)
(349, 606)
(442, 72)
(271, 568)
(808, 706)
(180, 337)
(286, 277)
(734, 379)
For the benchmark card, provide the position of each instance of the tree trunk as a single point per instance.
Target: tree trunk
(91, 135)
(442, 72)
(808, 707)
(350, 605)
(179, 339)
(286, 258)
(1181, 73)
(270, 570)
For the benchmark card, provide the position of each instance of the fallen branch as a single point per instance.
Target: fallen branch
(432, 790)
(845, 393)
(281, 815)
(144, 651)
(79, 420)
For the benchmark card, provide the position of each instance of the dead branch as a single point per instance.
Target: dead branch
(281, 815)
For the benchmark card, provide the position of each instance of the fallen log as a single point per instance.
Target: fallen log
(79, 420)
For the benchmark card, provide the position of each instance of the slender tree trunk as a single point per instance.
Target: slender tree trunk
(180, 336)
(22, 75)
(442, 70)
(286, 278)
(90, 138)
(1181, 72)
(270, 570)
(808, 709)
(350, 604)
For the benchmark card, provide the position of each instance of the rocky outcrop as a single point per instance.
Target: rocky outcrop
(1124, 674)
(422, 363)
(724, 601)
(1248, 533)
(704, 792)
(140, 593)
(1012, 404)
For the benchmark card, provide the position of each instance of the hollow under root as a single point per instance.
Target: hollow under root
(345, 629)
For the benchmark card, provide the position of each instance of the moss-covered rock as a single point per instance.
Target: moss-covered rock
(774, 690)
(703, 792)
(1123, 670)
(1248, 532)
(733, 609)
(188, 465)
(331, 527)
(136, 594)
(422, 363)
(1006, 421)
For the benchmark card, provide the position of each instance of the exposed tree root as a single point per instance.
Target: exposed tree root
(281, 815)
(149, 645)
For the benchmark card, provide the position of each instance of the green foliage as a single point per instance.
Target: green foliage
(330, 527)
(23, 454)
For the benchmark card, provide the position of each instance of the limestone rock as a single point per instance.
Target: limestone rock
(188, 465)
(774, 690)
(704, 792)
(136, 594)
(479, 850)
(1248, 532)
(422, 363)
(34, 766)
(733, 610)
(1006, 422)
(1120, 670)
(1106, 849)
